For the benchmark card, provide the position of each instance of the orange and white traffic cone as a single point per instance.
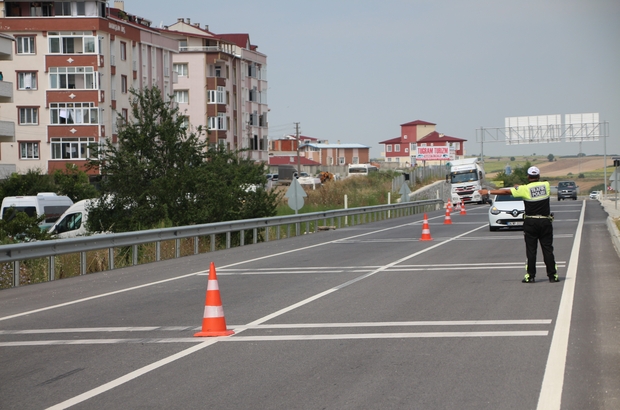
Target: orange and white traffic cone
(426, 232)
(463, 212)
(447, 220)
(457, 208)
(449, 207)
(213, 321)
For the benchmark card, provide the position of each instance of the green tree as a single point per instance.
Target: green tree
(21, 228)
(74, 183)
(550, 157)
(30, 183)
(517, 177)
(161, 174)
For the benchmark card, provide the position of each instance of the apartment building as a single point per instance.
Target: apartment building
(74, 64)
(7, 128)
(222, 85)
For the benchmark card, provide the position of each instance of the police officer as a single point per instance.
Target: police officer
(537, 226)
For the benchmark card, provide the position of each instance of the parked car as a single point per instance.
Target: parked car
(506, 212)
(272, 177)
(567, 189)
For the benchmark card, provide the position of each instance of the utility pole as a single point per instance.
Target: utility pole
(298, 146)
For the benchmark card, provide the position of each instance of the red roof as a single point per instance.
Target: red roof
(437, 137)
(290, 160)
(392, 141)
(241, 40)
(418, 122)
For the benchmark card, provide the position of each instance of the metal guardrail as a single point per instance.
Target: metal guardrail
(265, 228)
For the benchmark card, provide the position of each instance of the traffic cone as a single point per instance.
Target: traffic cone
(457, 208)
(447, 220)
(213, 321)
(426, 232)
(449, 207)
(463, 212)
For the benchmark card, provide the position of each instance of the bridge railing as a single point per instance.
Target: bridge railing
(27, 263)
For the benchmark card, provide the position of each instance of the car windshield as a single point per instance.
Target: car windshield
(502, 198)
(566, 184)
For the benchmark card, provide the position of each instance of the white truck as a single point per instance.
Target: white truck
(466, 179)
(44, 203)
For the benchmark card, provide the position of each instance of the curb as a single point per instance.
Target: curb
(615, 233)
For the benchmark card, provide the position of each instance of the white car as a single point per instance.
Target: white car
(506, 212)
(594, 195)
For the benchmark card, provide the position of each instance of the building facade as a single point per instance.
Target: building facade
(420, 144)
(74, 65)
(7, 128)
(222, 86)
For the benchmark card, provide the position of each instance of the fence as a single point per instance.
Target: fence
(27, 263)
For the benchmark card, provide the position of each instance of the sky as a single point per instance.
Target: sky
(355, 70)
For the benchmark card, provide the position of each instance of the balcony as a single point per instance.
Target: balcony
(7, 131)
(6, 92)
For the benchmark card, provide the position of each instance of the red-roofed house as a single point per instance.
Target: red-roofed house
(419, 142)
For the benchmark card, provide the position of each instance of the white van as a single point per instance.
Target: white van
(73, 222)
(45, 203)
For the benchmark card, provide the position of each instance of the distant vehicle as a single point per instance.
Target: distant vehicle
(286, 173)
(361, 170)
(72, 223)
(506, 212)
(567, 189)
(595, 195)
(466, 179)
(272, 177)
(44, 203)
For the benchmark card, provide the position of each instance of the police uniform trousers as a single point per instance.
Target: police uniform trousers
(539, 230)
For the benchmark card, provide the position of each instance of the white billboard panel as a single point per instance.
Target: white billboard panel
(582, 127)
(533, 129)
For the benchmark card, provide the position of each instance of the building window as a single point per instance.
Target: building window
(355, 160)
(397, 148)
(218, 123)
(181, 96)
(406, 149)
(74, 113)
(180, 69)
(81, 78)
(71, 148)
(71, 43)
(413, 146)
(28, 116)
(388, 148)
(217, 96)
(123, 51)
(124, 84)
(125, 114)
(29, 150)
(27, 80)
(25, 45)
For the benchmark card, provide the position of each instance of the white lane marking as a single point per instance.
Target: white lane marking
(553, 382)
(187, 275)
(282, 326)
(344, 336)
(121, 380)
(380, 269)
(130, 376)
(73, 302)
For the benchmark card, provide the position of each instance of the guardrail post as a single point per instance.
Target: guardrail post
(134, 258)
(255, 235)
(196, 243)
(177, 248)
(242, 238)
(51, 272)
(82, 263)
(228, 240)
(158, 251)
(267, 234)
(111, 258)
(15, 274)
(212, 242)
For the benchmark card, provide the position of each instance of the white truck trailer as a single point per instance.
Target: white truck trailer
(466, 179)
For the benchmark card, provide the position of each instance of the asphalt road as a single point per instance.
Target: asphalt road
(367, 317)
